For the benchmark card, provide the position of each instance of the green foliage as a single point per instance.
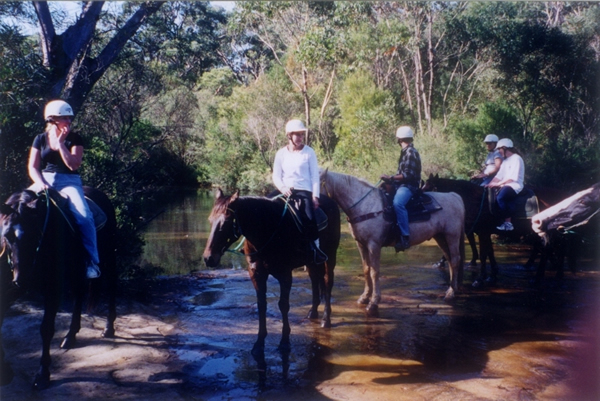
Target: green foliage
(468, 134)
(22, 85)
(366, 120)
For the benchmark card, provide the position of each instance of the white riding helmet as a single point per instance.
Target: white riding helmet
(491, 138)
(295, 126)
(57, 108)
(404, 132)
(504, 143)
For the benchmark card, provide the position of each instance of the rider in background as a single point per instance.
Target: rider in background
(492, 162)
(406, 180)
(296, 175)
(509, 180)
(54, 159)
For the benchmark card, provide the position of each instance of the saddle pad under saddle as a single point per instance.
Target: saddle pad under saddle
(419, 207)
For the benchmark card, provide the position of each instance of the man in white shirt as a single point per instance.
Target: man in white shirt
(510, 181)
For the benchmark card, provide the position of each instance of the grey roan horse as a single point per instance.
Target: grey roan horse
(359, 198)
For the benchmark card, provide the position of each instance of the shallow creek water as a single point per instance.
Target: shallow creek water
(505, 342)
(189, 337)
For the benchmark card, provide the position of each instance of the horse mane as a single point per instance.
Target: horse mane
(222, 204)
(346, 179)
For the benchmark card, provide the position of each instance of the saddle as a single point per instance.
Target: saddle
(62, 204)
(320, 216)
(526, 204)
(419, 207)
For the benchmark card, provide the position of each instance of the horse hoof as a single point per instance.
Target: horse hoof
(439, 265)
(363, 301)
(477, 283)
(313, 314)
(326, 324)
(108, 332)
(450, 295)
(373, 310)
(68, 342)
(41, 382)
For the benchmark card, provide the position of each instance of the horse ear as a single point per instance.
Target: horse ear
(431, 176)
(218, 193)
(235, 195)
(437, 176)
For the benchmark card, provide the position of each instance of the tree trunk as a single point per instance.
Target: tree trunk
(74, 73)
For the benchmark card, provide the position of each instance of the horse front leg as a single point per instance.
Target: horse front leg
(374, 259)
(487, 253)
(42, 378)
(326, 292)
(316, 281)
(71, 337)
(365, 297)
(473, 245)
(285, 286)
(258, 276)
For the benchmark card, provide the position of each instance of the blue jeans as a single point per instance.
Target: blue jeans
(403, 195)
(70, 186)
(505, 199)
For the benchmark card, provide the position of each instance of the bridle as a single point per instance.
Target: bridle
(363, 217)
(237, 232)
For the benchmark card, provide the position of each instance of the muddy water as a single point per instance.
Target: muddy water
(505, 342)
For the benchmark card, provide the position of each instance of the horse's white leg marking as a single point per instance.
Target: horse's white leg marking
(368, 291)
(374, 261)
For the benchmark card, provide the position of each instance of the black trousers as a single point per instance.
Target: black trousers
(302, 201)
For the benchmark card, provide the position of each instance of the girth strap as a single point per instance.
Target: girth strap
(364, 217)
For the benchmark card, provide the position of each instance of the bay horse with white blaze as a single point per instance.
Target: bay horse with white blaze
(359, 198)
(42, 251)
(273, 245)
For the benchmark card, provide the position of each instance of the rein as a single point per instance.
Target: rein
(239, 233)
(483, 195)
(363, 217)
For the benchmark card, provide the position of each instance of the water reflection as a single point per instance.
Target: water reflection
(175, 239)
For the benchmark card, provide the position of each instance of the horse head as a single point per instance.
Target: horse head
(573, 211)
(20, 235)
(431, 183)
(224, 229)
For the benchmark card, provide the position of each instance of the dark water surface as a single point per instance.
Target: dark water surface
(503, 342)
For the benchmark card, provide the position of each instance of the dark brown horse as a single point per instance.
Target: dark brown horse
(42, 251)
(480, 220)
(273, 245)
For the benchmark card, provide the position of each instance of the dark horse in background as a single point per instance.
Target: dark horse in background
(41, 251)
(274, 246)
(480, 219)
(564, 227)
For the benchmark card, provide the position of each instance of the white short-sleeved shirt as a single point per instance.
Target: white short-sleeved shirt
(513, 168)
(298, 170)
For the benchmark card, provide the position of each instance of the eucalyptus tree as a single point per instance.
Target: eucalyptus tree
(304, 38)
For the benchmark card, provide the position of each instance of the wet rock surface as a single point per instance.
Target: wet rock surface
(189, 338)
